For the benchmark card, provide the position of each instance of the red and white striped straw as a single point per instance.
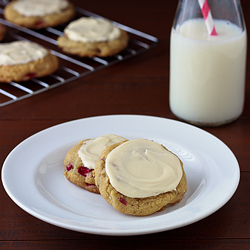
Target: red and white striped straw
(208, 17)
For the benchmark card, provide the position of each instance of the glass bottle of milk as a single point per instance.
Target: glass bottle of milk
(207, 72)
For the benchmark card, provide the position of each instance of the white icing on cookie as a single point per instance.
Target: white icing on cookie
(20, 52)
(141, 168)
(91, 150)
(39, 7)
(88, 29)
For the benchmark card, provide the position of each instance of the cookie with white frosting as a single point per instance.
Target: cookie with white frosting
(36, 14)
(140, 177)
(80, 161)
(89, 37)
(23, 60)
(2, 31)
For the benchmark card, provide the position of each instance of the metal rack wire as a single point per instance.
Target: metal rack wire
(71, 67)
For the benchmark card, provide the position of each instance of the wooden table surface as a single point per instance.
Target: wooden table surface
(138, 85)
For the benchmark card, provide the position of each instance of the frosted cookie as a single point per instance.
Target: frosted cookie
(88, 37)
(21, 60)
(140, 177)
(80, 161)
(2, 31)
(36, 14)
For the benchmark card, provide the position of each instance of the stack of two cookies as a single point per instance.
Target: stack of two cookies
(136, 177)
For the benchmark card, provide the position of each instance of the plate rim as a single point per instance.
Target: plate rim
(121, 232)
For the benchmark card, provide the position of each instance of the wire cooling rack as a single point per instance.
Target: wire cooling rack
(71, 67)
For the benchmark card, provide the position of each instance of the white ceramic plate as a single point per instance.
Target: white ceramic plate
(33, 177)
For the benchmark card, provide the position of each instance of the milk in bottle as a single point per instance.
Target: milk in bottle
(207, 72)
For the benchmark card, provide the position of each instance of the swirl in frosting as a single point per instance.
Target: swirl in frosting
(141, 168)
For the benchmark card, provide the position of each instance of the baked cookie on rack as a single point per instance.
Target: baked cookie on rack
(89, 37)
(140, 177)
(79, 162)
(22, 60)
(2, 31)
(36, 14)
